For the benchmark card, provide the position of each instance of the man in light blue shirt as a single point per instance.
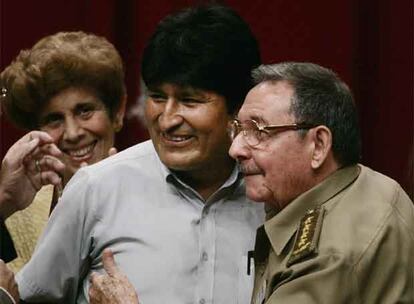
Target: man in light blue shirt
(172, 210)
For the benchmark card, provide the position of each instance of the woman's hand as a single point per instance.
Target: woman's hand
(33, 161)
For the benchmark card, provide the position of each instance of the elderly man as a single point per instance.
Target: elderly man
(172, 210)
(336, 231)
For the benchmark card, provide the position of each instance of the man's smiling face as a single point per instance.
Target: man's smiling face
(188, 127)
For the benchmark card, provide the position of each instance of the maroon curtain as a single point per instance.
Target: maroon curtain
(369, 43)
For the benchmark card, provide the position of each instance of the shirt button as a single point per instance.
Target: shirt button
(205, 212)
(202, 301)
(204, 257)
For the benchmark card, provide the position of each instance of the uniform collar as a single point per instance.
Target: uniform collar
(281, 227)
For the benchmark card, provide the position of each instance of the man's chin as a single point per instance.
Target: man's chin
(258, 193)
(179, 163)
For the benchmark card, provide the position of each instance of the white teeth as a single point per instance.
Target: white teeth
(81, 152)
(176, 138)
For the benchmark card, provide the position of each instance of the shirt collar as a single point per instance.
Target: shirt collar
(171, 178)
(282, 226)
(168, 175)
(235, 176)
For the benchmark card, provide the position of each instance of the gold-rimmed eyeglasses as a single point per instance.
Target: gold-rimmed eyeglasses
(254, 133)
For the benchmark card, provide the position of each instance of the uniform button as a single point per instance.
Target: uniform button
(202, 301)
(204, 256)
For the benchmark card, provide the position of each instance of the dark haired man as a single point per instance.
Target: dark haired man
(173, 210)
(336, 231)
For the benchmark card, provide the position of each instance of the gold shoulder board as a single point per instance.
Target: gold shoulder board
(307, 237)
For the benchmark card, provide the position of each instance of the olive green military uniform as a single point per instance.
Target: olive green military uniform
(349, 239)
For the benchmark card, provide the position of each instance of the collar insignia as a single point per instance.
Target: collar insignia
(307, 237)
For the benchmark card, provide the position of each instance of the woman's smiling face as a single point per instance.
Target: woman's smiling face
(81, 126)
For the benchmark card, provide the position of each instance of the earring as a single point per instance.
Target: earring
(3, 92)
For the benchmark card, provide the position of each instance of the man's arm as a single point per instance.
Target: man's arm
(57, 267)
(323, 279)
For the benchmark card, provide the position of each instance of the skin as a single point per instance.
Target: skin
(18, 171)
(188, 129)
(7, 281)
(112, 287)
(80, 125)
(286, 164)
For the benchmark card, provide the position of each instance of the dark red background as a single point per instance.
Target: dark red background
(369, 43)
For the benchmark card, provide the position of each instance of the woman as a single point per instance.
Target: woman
(70, 85)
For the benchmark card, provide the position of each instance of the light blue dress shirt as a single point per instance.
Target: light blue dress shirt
(174, 247)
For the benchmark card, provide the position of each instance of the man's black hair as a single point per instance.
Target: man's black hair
(208, 47)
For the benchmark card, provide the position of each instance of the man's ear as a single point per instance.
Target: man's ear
(119, 115)
(322, 138)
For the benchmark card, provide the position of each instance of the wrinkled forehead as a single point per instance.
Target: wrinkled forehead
(268, 102)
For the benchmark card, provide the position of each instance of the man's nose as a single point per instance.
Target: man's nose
(171, 115)
(239, 149)
(73, 130)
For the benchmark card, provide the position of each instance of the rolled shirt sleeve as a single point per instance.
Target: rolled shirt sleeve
(61, 256)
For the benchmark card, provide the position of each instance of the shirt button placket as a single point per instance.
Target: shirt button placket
(204, 257)
(206, 266)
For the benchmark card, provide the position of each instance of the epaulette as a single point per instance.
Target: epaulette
(307, 237)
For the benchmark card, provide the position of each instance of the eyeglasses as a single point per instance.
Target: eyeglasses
(254, 133)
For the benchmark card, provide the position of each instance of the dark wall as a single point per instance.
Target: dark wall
(369, 43)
